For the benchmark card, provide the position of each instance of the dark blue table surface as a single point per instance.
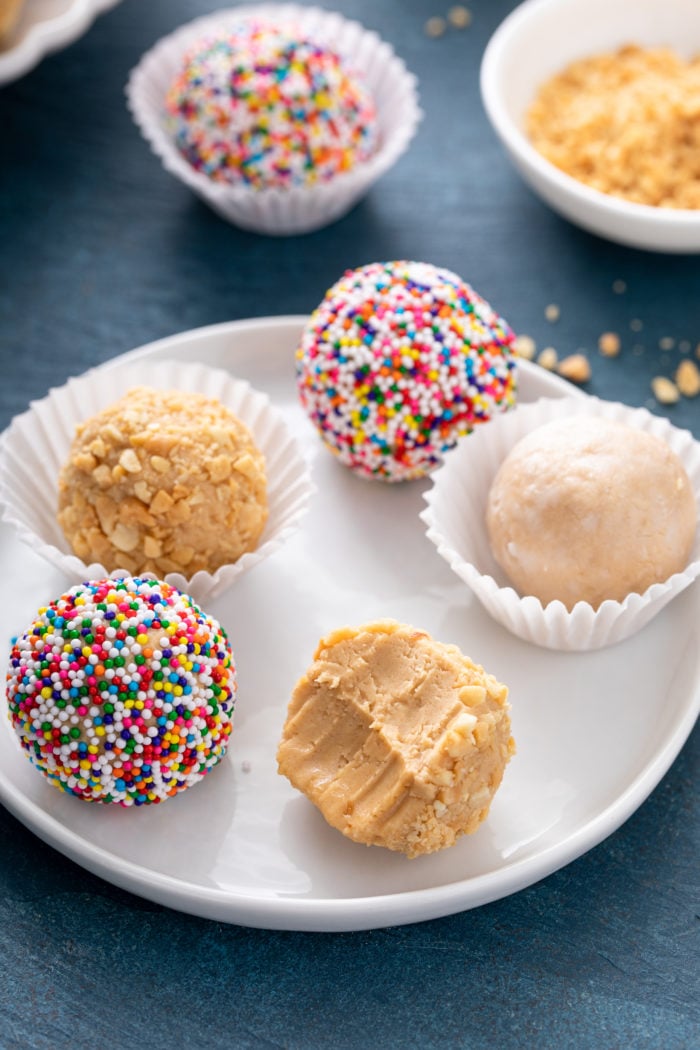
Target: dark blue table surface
(101, 251)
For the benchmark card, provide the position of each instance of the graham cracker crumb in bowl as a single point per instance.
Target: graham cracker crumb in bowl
(552, 312)
(625, 123)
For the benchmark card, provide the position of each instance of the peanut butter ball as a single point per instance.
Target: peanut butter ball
(161, 482)
(399, 740)
(585, 508)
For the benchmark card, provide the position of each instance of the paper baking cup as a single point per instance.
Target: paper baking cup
(456, 521)
(299, 209)
(35, 446)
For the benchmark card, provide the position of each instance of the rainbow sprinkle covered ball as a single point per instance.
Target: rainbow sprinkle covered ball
(399, 361)
(122, 690)
(262, 106)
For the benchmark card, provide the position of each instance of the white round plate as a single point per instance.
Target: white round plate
(45, 26)
(595, 731)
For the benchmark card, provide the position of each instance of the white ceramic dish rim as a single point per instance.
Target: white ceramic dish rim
(518, 143)
(50, 34)
(340, 914)
(347, 913)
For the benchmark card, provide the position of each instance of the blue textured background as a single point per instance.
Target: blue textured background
(101, 251)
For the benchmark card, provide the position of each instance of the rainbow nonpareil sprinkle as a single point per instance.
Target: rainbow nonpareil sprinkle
(122, 690)
(262, 106)
(398, 361)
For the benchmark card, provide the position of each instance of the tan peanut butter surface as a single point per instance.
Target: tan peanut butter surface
(399, 740)
(163, 481)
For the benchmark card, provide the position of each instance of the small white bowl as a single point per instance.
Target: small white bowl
(540, 38)
(299, 209)
(36, 444)
(456, 524)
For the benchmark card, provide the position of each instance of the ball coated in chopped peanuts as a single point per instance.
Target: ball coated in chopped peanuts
(163, 482)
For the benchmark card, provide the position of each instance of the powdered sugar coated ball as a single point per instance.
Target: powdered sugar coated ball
(589, 509)
(398, 361)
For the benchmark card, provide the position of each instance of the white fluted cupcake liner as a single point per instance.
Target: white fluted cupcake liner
(456, 523)
(36, 444)
(299, 209)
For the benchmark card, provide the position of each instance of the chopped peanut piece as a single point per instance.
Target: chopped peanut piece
(609, 344)
(152, 547)
(85, 461)
(159, 464)
(525, 347)
(98, 448)
(575, 367)
(130, 461)
(548, 358)
(664, 390)
(124, 537)
(435, 26)
(142, 492)
(688, 378)
(459, 16)
(161, 502)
